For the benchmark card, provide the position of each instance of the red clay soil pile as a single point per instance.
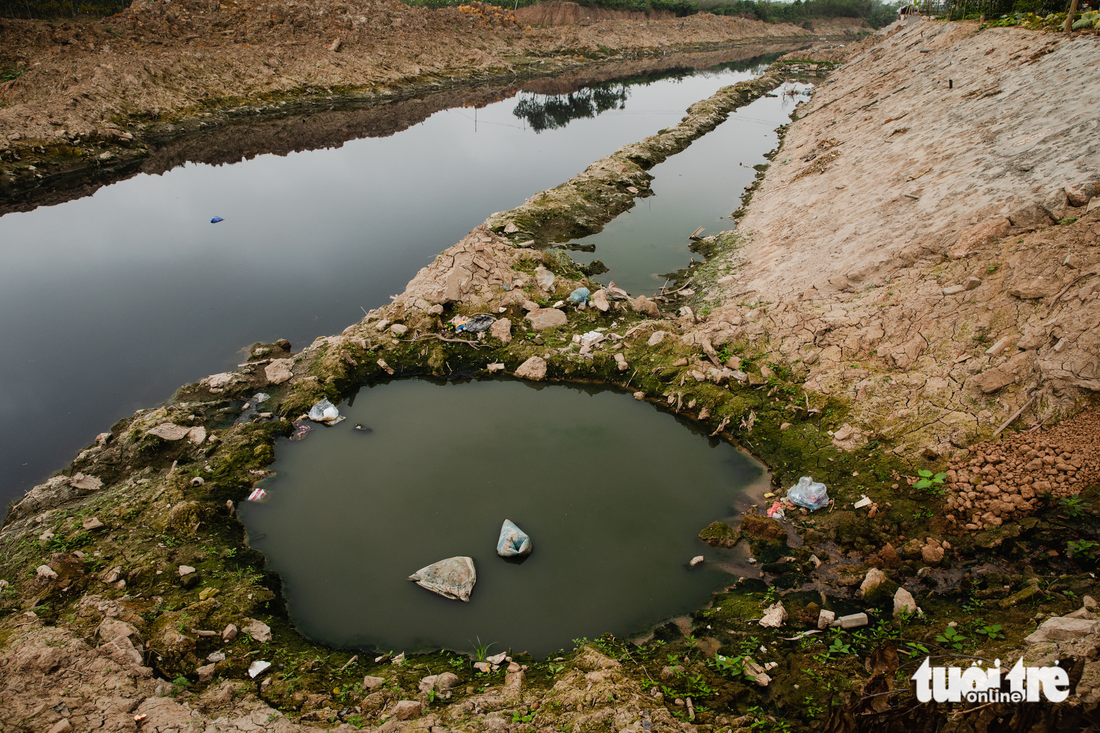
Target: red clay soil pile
(1010, 478)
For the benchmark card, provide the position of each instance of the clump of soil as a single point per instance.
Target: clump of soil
(1011, 478)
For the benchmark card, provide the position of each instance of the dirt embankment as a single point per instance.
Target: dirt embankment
(567, 13)
(165, 61)
(905, 248)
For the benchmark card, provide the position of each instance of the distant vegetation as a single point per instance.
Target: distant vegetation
(60, 8)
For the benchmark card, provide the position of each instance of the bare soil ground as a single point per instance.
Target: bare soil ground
(905, 250)
(162, 60)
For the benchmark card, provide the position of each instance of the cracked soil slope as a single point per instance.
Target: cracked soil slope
(905, 247)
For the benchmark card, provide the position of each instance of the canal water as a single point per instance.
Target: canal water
(612, 492)
(114, 300)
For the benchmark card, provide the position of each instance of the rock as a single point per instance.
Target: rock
(257, 668)
(904, 603)
(45, 571)
(1031, 217)
(206, 673)
(719, 534)
(92, 524)
(755, 527)
(639, 396)
(825, 619)
(873, 579)
(399, 329)
(427, 684)
(494, 367)
(774, 616)
(931, 554)
(373, 683)
(62, 726)
(258, 630)
(229, 633)
(600, 300)
(407, 710)
(1089, 602)
(185, 570)
(621, 363)
(207, 593)
(544, 318)
(544, 278)
(513, 683)
(645, 306)
(851, 621)
(533, 369)
(1080, 195)
(278, 371)
(452, 578)
(697, 560)
(335, 45)
(86, 483)
(511, 228)
(169, 431)
(1058, 628)
(754, 670)
(995, 379)
(980, 235)
(972, 283)
(501, 330)
(656, 337)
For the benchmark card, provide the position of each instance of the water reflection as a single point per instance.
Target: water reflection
(116, 299)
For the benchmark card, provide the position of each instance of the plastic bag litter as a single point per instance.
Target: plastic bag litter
(326, 412)
(578, 296)
(216, 219)
(477, 324)
(301, 429)
(809, 494)
(776, 511)
(513, 541)
(260, 397)
(257, 495)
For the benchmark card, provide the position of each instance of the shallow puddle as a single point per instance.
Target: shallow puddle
(612, 492)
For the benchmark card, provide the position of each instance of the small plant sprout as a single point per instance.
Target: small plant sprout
(481, 651)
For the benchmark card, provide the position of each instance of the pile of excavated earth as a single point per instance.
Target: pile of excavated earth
(911, 287)
(162, 61)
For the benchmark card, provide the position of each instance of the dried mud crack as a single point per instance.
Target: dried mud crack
(130, 601)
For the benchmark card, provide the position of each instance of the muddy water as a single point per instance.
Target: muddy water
(113, 301)
(611, 491)
(700, 187)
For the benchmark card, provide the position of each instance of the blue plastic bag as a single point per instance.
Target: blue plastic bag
(513, 541)
(216, 219)
(578, 296)
(808, 494)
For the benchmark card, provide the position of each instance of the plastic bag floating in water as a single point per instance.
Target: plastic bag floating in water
(513, 541)
(216, 219)
(452, 578)
(326, 412)
(809, 494)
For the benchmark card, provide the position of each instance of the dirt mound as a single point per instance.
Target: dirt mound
(567, 13)
(1010, 478)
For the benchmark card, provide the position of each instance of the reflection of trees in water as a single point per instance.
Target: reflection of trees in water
(549, 113)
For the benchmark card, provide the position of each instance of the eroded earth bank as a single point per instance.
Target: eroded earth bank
(912, 288)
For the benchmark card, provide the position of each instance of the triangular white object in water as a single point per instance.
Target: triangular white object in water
(513, 541)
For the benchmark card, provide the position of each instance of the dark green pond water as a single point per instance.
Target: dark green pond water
(612, 492)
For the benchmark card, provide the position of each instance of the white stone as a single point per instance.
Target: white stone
(904, 603)
(257, 668)
(774, 616)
